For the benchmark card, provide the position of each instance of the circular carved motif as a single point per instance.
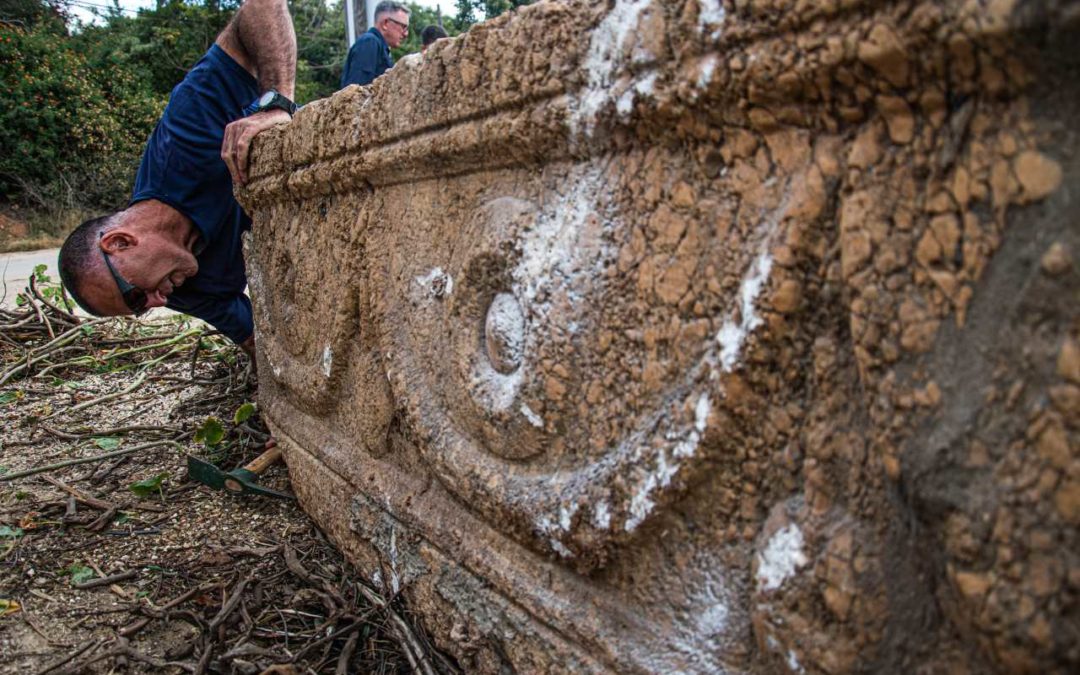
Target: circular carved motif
(547, 391)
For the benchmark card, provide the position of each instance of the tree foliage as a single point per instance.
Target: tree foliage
(69, 125)
(77, 101)
(470, 11)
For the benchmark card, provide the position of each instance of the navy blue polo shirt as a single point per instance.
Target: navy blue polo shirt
(368, 58)
(182, 167)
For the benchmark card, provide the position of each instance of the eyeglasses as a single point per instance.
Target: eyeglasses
(134, 297)
(402, 26)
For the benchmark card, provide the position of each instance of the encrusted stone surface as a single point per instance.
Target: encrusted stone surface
(694, 335)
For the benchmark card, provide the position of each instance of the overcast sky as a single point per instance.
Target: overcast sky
(83, 8)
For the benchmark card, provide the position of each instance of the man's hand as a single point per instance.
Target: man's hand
(248, 346)
(238, 137)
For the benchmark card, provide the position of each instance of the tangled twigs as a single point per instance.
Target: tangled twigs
(86, 460)
(78, 435)
(416, 654)
(121, 649)
(247, 600)
(62, 315)
(162, 611)
(89, 646)
(414, 651)
(38, 354)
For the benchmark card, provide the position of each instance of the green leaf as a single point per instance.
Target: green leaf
(20, 301)
(86, 330)
(107, 442)
(122, 518)
(243, 413)
(210, 432)
(11, 396)
(8, 532)
(147, 487)
(80, 573)
(39, 273)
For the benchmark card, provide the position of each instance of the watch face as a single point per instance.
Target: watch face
(265, 99)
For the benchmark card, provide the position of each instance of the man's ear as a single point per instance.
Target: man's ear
(117, 240)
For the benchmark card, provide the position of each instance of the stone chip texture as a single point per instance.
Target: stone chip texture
(695, 335)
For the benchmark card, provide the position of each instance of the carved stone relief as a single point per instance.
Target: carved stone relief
(689, 335)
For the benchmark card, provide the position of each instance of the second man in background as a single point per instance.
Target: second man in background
(369, 57)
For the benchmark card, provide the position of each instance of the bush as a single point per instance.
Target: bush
(70, 131)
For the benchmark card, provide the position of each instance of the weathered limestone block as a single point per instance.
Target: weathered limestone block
(688, 335)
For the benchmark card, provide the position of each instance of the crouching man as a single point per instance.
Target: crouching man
(178, 242)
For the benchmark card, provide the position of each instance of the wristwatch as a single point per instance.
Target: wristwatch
(273, 100)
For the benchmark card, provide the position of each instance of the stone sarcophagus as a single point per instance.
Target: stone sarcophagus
(700, 336)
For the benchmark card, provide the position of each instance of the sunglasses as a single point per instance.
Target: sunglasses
(134, 297)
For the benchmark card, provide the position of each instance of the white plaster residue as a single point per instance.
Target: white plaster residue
(793, 662)
(733, 334)
(606, 47)
(327, 360)
(708, 68)
(504, 333)
(492, 389)
(641, 504)
(701, 413)
(548, 248)
(437, 283)
(711, 14)
(688, 446)
(533, 418)
(602, 516)
(642, 88)
(566, 516)
(395, 582)
(559, 548)
(782, 557)
(713, 620)
(546, 527)
(376, 579)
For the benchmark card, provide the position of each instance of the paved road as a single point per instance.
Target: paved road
(17, 268)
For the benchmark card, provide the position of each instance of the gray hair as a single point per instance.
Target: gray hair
(78, 255)
(388, 7)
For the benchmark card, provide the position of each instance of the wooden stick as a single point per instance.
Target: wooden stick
(93, 644)
(85, 460)
(103, 399)
(230, 604)
(347, 654)
(82, 497)
(93, 433)
(105, 581)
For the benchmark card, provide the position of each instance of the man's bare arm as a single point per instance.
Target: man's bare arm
(261, 39)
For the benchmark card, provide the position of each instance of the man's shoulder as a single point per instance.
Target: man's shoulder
(368, 38)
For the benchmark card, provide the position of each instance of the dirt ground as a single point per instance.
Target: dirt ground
(123, 563)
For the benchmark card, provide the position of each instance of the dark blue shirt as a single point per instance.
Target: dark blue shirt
(368, 58)
(182, 167)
